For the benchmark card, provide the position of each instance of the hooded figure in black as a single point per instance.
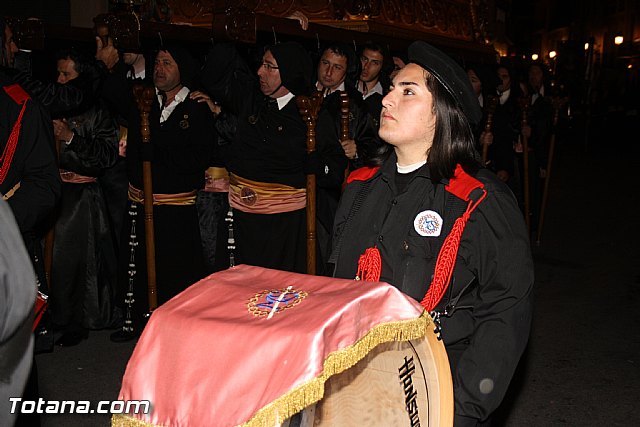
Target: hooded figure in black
(267, 160)
(181, 137)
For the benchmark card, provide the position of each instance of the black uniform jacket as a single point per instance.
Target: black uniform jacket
(34, 165)
(328, 135)
(488, 303)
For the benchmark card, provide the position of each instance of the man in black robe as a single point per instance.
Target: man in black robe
(337, 71)
(374, 81)
(267, 160)
(83, 273)
(181, 138)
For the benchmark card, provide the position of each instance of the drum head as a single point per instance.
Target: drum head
(397, 384)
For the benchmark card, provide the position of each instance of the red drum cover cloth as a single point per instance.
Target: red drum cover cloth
(205, 359)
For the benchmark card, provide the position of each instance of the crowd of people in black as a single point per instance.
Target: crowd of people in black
(228, 161)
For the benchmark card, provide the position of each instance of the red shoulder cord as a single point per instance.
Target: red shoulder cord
(20, 97)
(461, 185)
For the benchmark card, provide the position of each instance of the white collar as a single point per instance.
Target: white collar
(504, 96)
(376, 89)
(327, 91)
(177, 99)
(140, 75)
(284, 100)
(410, 168)
(180, 96)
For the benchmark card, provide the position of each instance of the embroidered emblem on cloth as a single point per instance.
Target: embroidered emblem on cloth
(272, 301)
(428, 224)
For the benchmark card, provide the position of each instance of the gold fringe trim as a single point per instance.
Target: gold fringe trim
(123, 420)
(335, 363)
(313, 391)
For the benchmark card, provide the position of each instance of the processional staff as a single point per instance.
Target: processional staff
(144, 98)
(557, 105)
(309, 108)
(525, 102)
(492, 103)
(344, 126)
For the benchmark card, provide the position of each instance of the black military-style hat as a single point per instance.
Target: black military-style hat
(450, 75)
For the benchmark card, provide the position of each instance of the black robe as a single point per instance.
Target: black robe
(179, 154)
(269, 146)
(84, 262)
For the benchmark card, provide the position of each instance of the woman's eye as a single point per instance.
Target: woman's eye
(408, 92)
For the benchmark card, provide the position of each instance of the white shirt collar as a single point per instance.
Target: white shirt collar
(538, 94)
(410, 168)
(504, 96)
(180, 97)
(284, 100)
(327, 91)
(140, 75)
(376, 89)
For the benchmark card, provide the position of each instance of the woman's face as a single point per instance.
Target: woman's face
(408, 116)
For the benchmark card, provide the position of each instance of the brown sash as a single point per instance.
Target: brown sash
(264, 197)
(177, 199)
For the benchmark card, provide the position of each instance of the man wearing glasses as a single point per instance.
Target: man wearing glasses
(267, 160)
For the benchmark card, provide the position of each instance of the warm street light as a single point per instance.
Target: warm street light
(552, 54)
(534, 57)
(586, 46)
(618, 40)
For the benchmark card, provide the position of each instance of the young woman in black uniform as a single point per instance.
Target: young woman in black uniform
(428, 192)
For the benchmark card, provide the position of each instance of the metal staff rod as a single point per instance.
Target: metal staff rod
(309, 108)
(144, 98)
(557, 104)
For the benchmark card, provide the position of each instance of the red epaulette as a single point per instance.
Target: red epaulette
(362, 174)
(462, 184)
(16, 93)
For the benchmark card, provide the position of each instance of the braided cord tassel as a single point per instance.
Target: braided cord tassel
(10, 148)
(369, 265)
(447, 259)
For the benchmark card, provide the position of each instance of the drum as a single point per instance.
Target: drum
(397, 384)
(252, 347)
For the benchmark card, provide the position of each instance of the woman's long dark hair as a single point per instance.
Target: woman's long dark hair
(453, 141)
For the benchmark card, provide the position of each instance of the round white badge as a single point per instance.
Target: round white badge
(428, 224)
